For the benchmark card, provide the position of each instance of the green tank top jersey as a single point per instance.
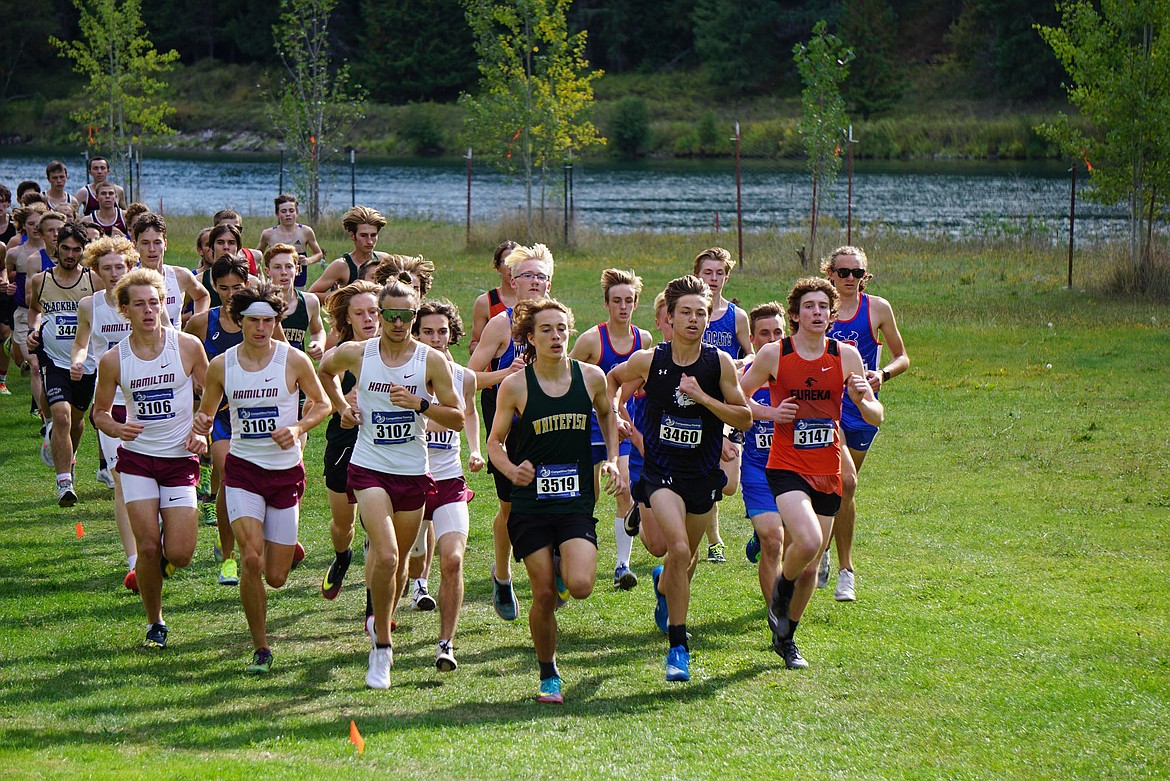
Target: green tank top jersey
(296, 325)
(205, 278)
(353, 269)
(554, 434)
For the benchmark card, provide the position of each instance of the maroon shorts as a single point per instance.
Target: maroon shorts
(171, 472)
(280, 488)
(407, 492)
(447, 491)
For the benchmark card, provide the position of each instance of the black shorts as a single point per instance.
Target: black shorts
(503, 484)
(782, 481)
(698, 493)
(7, 310)
(59, 387)
(529, 532)
(337, 468)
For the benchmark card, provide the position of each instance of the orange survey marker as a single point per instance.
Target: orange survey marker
(355, 737)
(80, 531)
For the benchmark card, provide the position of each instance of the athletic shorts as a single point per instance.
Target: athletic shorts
(451, 491)
(221, 425)
(110, 445)
(599, 451)
(757, 494)
(503, 484)
(279, 488)
(407, 492)
(181, 472)
(636, 462)
(7, 310)
(782, 481)
(529, 532)
(699, 493)
(20, 328)
(60, 387)
(337, 469)
(861, 437)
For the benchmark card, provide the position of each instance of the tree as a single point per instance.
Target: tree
(870, 29)
(122, 106)
(24, 45)
(999, 53)
(1118, 62)
(823, 63)
(535, 89)
(315, 106)
(414, 50)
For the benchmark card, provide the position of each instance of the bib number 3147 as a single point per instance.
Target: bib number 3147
(811, 433)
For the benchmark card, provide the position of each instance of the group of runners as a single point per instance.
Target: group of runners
(233, 364)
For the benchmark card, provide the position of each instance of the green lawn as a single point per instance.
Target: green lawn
(1011, 622)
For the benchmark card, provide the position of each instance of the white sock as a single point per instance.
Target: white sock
(64, 476)
(420, 582)
(132, 559)
(625, 543)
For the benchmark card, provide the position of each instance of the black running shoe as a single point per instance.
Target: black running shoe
(791, 654)
(331, 583)
(778, 612)
(633, 521)
(156, 636)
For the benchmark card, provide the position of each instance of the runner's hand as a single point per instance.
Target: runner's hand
(130, 431)
(286, 437)
(524, 474)
(475, 461)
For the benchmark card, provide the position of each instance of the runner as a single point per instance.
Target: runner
(606, 345)
(150, 239)
(691, 393)
(108, 217)
(362, 224)
(388, 468)
(807, 374)
(495, 358)
(223, 239)
(439, 326)
(232, 217)
(54, 296)
(420, 270)
(7, 303)
(264, 477)
(302, 323)
(289, 231)
(549, 461)
(58, 198)
(155, 367)
(25, 251)
(860, 319)
(491, 302)
(99, 171)
(100, 327)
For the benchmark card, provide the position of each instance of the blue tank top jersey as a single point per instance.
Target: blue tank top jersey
(721, 333)
(757, 442)
(857, 331)
(21, 280)
(609, 359)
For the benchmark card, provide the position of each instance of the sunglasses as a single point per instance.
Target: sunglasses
(401, 315)
(845, 273)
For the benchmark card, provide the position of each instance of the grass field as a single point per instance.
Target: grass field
(1013, 613)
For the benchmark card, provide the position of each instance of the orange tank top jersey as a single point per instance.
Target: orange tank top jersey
(811, 444)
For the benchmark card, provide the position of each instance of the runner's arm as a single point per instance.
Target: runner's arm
(480, 314)
(859, 390)
(892, 337)
(475, 460)
(79, 351)
(315, 344)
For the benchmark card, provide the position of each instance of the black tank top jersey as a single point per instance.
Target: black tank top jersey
(9, 231)
(353, 270)
(334, 433)
(297, 324)
(554, 434)
(682, 440)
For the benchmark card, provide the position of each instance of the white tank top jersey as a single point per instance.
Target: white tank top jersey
(443, 448)
(109, 328)
(261, 403)
(174, 302)
(160, 396)
(390, 439)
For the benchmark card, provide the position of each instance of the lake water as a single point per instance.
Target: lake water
(960, 199)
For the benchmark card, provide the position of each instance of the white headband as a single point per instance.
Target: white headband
(259, 309)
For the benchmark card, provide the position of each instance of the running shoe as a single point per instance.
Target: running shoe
(563, 595)
(420, 599)
(550, 690)
(845, 586)
(216, 552)
(166, 567)
(715, 553)
(207, 513)
(504, 598)
(752, 549)
(131, 581)
(46, 449)
(4, 389)
(678, 664)
(661, 614)
(261, 663)
(66, 496)
(381, 660)
(791, 654)
(331, 583)
(229, 573)
(633, 521)
(624, 578)
(823, 570)
(103, 476)
(298, 555)
(370, 628)
(445, 658)
(156, 636)
(778, 620)
(204, 488)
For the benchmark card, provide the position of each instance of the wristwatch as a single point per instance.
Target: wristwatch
(423, 405)
(885, 375)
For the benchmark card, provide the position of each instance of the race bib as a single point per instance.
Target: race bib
(557, 481)
(66, 326)
(154, 404)
(680, 432)
(763, 435)
(257, 422)
(441, 440)
(393, 428)
(812, 433)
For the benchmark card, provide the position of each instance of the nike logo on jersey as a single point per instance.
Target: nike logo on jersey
(165, 365)
(407, 376)
(268, 379)
(826, 368)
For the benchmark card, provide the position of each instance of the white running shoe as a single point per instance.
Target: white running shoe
(381, 660)
(445, 657)
(104, 477)
(46, 447)
(66, 496)
(844, 592)
(421, 600)
(823, 570)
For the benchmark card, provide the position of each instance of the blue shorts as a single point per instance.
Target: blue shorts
(635, 465)
(757, 495)
(859, 438)
(221, 428)
(599, 451)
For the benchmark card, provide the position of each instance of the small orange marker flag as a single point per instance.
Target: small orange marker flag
(355, 737)
(80, 531)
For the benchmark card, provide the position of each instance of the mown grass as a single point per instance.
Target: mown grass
(1012, 613)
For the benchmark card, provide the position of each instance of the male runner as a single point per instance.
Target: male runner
(150, 239)
(264, 476)
(606, 345)
(26, 257)
(807, 374)
(59, 199)
(549, 462)
(99, 172)
(691, 393)
(232, 217)
(490, 303)
(861, 318)
(495, 358)
(54, 296)
(396, 376)
(7, 303)
(288, 231)
(362, 224)
(108, 217)
(302, 323)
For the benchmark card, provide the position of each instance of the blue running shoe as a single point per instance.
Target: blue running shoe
(504, 598)
(550, 690)
(563, 595)
(661, 614)
(752, 549)
(678, 664)
(156, 636)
